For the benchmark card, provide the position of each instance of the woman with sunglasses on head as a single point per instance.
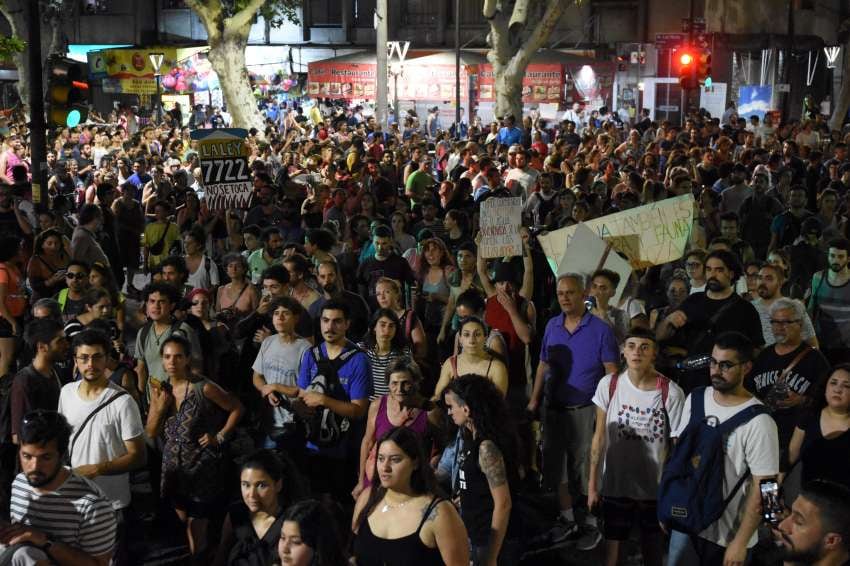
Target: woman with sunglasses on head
(46, 268)
(402, 520)
(488, 465)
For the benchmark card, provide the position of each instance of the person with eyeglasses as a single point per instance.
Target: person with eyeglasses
(71, 298)
(57, 516)
(107, 442)
(788, 388)
(752, 447)
(695, 268)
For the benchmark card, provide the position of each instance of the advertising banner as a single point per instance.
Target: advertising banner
(543, 82)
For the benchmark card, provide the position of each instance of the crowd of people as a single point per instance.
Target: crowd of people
(335, 373)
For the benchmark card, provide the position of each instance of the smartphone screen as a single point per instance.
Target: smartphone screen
(771, 508)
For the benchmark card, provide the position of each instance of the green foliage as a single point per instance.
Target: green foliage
(276, 12)
(9, 45)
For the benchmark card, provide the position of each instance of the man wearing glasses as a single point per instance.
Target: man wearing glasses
(59, 516)
(751, 447)
(784, 386)
(70, 299)
(107, 441)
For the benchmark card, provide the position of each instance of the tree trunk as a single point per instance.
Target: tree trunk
(508, 86)
(842, 102)
(512, 46)
(227, 57)
(53, 41)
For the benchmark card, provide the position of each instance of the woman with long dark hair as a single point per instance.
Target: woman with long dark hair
(46, 267)
(384, 344)
(487, 478)
(402, 521)
(269, 484)
(309, 537)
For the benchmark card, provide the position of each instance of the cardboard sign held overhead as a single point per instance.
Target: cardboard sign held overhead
(501, 219)
(224, 167)
(652, 234)
(587, 252)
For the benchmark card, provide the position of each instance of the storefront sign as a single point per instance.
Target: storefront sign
(543, 82)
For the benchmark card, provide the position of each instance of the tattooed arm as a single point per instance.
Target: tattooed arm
(449, 534)
(493, 466)
(597, 448)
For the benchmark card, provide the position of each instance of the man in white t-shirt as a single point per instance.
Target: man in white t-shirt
(752, 447)
(633, 426)
(110, 445)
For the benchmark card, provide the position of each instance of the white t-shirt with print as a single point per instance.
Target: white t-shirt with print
(753, 446)
(103, 437)
(278, 363)
(637, 436)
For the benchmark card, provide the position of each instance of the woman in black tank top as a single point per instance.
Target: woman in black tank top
(401, 521)
(487, 476)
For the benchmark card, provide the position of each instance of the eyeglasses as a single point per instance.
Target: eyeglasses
(84, 359)
(724, 365)
(693, 264)
(76, 275)
(784, 322)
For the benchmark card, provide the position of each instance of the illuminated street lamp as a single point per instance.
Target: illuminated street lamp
(156, 63)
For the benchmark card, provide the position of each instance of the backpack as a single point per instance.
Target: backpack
(690, 494)
(324, 427)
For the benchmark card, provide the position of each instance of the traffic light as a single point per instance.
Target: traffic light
(67, 92)
(687, 69)
(704, 68)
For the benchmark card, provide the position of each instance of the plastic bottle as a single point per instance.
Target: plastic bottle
(694, 362)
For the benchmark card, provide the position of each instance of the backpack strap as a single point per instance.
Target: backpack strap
(453, 360)
(143, 334)
(612, 386)
(741, 418)
(697, 405)
(662, 383)
(91, 415)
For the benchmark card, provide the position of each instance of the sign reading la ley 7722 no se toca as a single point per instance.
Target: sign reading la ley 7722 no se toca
(224, 167)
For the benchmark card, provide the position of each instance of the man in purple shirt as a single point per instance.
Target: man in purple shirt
(578, 350)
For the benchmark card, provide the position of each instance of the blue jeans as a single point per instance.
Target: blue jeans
(687, 550)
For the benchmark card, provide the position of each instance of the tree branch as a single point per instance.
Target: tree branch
(490, 8)
(243, 17)
(554, 11)
(209, 12)
(519, 16)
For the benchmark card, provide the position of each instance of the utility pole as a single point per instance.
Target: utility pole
(381, 82)
(38, 128)
(457, 68)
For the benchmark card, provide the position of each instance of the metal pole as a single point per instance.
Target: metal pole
(457, 68)
(38, 127)
(395, 96)
(381, 85)
(159, 99)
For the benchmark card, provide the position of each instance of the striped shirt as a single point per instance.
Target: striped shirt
(77, 513)
(379, 365)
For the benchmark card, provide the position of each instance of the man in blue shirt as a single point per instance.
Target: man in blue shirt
(578, 350)
(510, 134)
(140, 176)
(330, 471)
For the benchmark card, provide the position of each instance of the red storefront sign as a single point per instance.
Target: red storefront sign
(543, 82)
(357, 81)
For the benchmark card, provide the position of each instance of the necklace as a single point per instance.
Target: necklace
(388, 506)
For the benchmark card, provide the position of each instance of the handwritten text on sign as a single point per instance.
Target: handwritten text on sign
(500, 222)
(224, 167)
(647, 235)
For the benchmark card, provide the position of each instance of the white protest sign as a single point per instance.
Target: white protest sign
(652, 234)
(224, 167)
(501, 219)
(587, 252)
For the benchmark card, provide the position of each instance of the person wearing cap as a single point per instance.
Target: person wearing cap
(734, 195)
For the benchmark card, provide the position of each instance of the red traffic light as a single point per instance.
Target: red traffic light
(686, 59)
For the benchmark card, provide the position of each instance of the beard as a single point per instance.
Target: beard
(763, 292)
(715, 285)
(330, 288)
(40, 480)
(721, 384)
(836, 267)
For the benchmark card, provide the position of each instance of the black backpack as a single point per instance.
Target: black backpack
(324, 427)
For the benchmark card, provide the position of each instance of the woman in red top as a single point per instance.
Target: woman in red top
(13, 301)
